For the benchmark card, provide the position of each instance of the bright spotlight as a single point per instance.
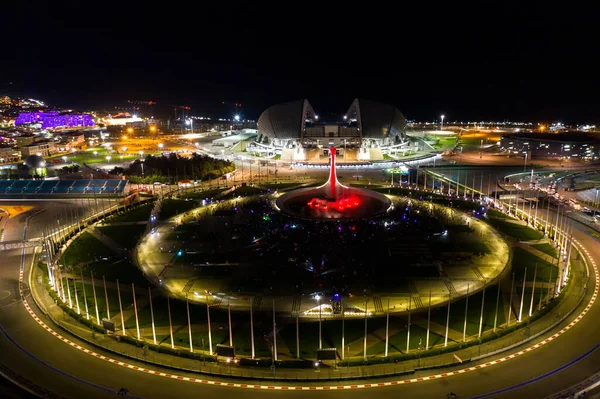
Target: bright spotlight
(237, 117)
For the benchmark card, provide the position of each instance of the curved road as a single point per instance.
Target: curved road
(43, 359)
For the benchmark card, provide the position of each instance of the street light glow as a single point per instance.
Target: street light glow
(237, 117)
(160, 145)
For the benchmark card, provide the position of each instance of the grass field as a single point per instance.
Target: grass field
(244, 192)
(85, 248)
(126, 236)
(115, 268)
(279, 186)
(497, 214)
(457, 312)
(172, 207)
(546, 248)
(200, 195)
(518, 231)
(523, 259)
(139, 214)
(88, 156)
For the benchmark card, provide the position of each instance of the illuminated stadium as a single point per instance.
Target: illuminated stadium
(54, 120)
(366, 132)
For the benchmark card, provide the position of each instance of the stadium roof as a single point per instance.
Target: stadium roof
(288, 120)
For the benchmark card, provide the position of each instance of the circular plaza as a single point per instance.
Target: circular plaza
(245, 253)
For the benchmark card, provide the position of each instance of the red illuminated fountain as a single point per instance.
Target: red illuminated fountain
(333, 200)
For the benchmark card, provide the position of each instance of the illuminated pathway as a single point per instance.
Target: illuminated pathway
(79, 372)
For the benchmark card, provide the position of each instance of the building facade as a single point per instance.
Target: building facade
(575, 145)
(368, 126)
(42, 148)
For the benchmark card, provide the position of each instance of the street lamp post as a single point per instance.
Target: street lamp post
(442, 124)
(525, 166)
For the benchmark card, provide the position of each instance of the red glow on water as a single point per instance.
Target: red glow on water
(342, 204)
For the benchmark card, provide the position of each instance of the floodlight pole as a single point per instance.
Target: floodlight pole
(187, 305)
(229, 318)
(481, 316)
(252, 332)
(522, 295)
(466, 308)
(121, 308)
(137, 323)
(209, 332)
(447, 319)
(497, 301)
(95, 300)
(365, 339)
(274, 334)
(428, 322)
(87, 313)
(105, 297)
(343, 337)
(533, 290)
(512, 287)
(408, 331)
(387, 328)
(152, 315)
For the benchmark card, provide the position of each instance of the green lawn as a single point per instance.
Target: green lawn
(139, 214)
(126, 236)
(279, 186)
(523, 259)
(116, 268)
(457, 312)
(84, 249)
(497, 214)
(459, 228)
(546, 248)
(172, 207)
(244, 192)
(203, 194)
(113, 300)
(88, 156)
(518, 231)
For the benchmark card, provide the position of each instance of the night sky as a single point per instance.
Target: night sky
(487, 61)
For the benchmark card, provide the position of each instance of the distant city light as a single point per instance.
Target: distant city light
(237, 117)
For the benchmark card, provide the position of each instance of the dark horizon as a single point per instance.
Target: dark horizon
(512, 63)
